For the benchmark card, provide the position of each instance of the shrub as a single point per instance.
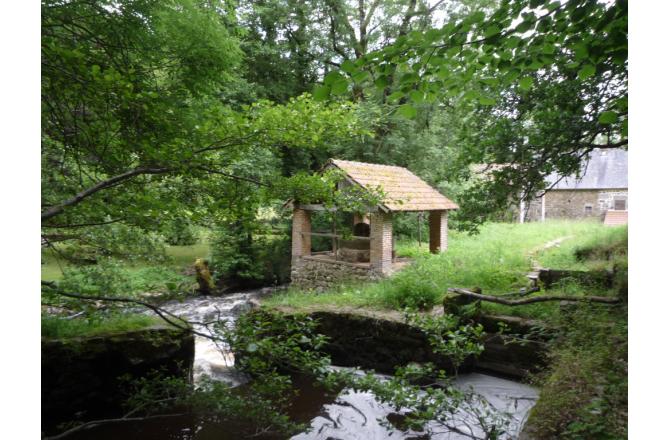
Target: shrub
(241, 255)
(415, 289)
(180, 232)
(110, 277)
(107, 277)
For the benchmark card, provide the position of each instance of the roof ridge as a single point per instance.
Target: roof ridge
(371, 164)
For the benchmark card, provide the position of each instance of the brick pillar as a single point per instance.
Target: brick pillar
(381, 242)
(301, 222)
(438, 231)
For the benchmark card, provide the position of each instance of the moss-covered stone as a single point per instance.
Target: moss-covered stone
(81, 375)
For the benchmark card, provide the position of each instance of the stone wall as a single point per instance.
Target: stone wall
(312, 273)
(80, 376)
(382, 344)
(575, 204)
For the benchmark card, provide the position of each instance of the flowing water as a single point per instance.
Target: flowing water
(350, 415)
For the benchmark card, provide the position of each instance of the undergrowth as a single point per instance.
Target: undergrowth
(584, 392)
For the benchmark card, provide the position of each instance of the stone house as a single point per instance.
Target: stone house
(601, 188)
(369, 253)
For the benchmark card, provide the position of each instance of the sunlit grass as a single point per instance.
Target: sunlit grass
(180, 257)
(610, 245)
(497, 260)
(55, 327)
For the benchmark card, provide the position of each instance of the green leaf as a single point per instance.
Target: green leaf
(333, 77)
(492, 30)
(587, 71)
(417, 96)
(407, 111)
(348, 66)
(340, 87)
(484, 100)
(513, 42)
(549, 49)
(251, 348)
(469, 95)
(608, 117)
(526, 83)
(381, 82)
(476, 17)
(395, 96)
(581, 52)
(360, 76)
(491, 81)
(524, 26)
(321, 93)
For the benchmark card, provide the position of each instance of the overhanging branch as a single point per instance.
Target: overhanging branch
(57, 209)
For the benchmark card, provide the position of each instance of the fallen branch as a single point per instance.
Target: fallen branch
(94, 423)
(522, 292)
(534, 299)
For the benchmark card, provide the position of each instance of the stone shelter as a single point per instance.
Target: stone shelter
(600, 191)
(369, 253)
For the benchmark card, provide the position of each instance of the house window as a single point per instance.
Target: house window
(588, 209)
(620, 204)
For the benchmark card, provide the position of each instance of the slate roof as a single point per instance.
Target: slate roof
(606, 169)
(404, 190)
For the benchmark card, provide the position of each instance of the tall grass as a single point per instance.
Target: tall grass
(599, 249)
(496, 260)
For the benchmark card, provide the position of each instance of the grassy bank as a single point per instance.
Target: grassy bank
(584, 392)
(496, 260)
(55, 327)
(117, 276)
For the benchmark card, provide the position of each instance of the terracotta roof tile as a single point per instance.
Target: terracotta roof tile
(404, 190)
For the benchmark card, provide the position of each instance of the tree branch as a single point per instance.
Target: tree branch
(57, 209)
(535, 299)
(94, 423)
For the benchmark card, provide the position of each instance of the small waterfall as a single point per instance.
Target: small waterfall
(210, 360)
(351, 415)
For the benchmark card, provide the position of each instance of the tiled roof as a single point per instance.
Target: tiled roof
(404, 190)
(604, 169)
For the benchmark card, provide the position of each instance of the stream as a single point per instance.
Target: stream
(349, 416)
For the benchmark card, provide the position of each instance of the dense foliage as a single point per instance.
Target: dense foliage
(166, 121)
(162, 114)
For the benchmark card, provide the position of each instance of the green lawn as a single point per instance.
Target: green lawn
(496, 260)
(179, 258)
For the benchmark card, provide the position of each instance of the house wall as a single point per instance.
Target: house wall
(572, 204)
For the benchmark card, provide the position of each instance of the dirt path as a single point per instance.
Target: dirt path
(535, 264)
